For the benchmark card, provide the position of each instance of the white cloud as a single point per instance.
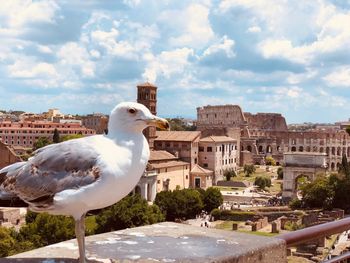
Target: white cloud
(18, 13)
(192, 24)
(167, 63)
(254, 29)
(30, 69)
(294, 78)
(339, 78)
(44, 49)
(226, 44)
(71, 54)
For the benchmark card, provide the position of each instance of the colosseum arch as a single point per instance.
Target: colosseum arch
(333, 150)
(308, 149)
(321, 149)
(294, 149)
(249, 148)
(261, 150)
(301, 148)
(268, 149)
(327, 150)
(338, 151)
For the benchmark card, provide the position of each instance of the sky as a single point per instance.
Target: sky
(285, 56)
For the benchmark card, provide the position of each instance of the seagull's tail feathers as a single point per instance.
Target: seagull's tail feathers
(8, 199)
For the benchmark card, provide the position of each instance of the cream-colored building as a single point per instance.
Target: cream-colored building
(218, 153)
(201, 178)
(183, 144)
(171, 172)
(164, 172)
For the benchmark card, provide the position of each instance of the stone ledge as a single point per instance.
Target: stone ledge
(165, 242)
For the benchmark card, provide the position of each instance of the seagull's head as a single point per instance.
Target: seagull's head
(134, 117)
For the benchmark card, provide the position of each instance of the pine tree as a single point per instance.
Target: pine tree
(344, 168)
(56, 136)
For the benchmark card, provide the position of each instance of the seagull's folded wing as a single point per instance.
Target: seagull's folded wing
(52, 169)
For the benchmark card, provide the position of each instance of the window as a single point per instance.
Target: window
(201, 149)
(209, 149)
(205, 165)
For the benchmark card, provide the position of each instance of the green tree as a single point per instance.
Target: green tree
(44, 229)
(280, 173)
(262, 182)
(318, 194)
(344, 167)
(229, 173)
(212, 199)
(71, 137)
(179, 204)
(41, 142)
(131, 211)
(295, 204)
(7, 242)
(249, 169)
(270, 161)
(56, 136)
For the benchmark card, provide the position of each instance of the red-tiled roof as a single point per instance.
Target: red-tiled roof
(183, 136)
(217, 139)
(168, 164)
(161, 155)
(200, 170)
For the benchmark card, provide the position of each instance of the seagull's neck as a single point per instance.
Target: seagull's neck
(125, 137)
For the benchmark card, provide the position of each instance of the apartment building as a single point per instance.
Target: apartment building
(25, 133)
(96, 121)
(218, 153)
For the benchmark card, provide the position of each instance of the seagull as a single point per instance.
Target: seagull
(72, 177)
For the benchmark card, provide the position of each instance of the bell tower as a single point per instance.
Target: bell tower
(147, 95)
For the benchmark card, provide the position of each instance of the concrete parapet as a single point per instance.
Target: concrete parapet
(166, 242)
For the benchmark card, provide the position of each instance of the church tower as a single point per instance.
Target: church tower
(147, 95)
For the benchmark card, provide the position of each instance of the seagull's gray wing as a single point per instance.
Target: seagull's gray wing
(52, 169)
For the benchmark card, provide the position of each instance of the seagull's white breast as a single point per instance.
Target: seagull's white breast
(121, 166)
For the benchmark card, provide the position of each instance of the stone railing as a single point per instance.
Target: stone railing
(165, 242)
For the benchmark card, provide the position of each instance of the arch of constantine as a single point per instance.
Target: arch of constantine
(296, 164)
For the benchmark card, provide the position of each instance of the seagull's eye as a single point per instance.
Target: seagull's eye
(132, 110)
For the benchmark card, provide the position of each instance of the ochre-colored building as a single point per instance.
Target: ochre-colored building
(183, 144)
(96, 121)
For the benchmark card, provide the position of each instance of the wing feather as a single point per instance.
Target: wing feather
(52, 169)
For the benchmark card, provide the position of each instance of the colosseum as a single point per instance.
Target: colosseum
(266, 134)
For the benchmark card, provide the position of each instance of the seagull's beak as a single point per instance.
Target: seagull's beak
(160, 123)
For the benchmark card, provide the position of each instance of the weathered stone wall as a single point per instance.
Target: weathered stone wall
(7, 156)
(266, 121)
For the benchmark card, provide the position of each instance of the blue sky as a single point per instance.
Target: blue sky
(290, 57)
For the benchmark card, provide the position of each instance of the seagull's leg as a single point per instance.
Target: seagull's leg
(80, 234)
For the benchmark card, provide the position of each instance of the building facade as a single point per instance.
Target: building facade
(26, 133)
(266, 134)
(96, 121)
(7, 155)
(183, 144)
(218, 153)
